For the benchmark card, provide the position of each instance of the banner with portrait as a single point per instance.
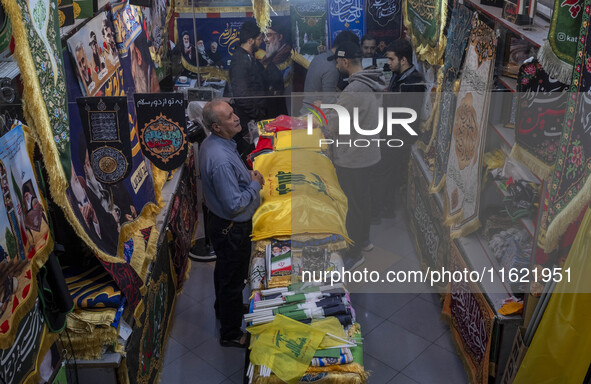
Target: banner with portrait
(156, 18)
(94, 52)
(345, 15)
(25, 239)
(464, 166)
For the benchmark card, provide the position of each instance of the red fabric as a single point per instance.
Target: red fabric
(285, 123)
(265, 143)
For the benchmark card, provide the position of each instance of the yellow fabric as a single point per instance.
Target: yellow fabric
(298, 139)
(511, 308)
(560, 349)
(304, 182)
(287, 347)
(330, 325)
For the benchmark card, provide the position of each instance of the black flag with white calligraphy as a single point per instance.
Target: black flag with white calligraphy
(106, 126)
(384, 22)
(162, 128)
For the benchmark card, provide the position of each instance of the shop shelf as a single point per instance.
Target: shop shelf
(508, 82)
(527, 223)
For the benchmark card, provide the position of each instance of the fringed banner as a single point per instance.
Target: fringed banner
(426, 221)
(559, 351)
(458, 33)
(39, 56)
(308, 27)
(384, 20)
(345, 15)
(471, 320)
(570, 189)
(464, 170)
(94, 51)
(425, 21)
(558, 52)
(24, 229)
(541, 106)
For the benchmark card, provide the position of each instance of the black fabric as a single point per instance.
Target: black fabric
(231, 270)
(275, 87)
(356, 184)
(56, 301)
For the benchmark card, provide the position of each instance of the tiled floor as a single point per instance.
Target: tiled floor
(405, 342)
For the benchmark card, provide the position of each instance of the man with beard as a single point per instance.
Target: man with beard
(82, 63)
(142, 68)
(248, 87)
(353, 164)
(204, 60)
(109, 40)
(278, 67)
(188, 50)
(215, 55)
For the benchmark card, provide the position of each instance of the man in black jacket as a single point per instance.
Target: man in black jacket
(246, 80)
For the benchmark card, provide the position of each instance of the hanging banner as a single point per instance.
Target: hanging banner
(558, 52)
(25, 240)
(441, 118)
(541, 104)
(308, 27)
(106, 129)
(39, 56)
(345, 15)
(471, 320)
(162, 128)
(155, 19)
(94, 51)
(464, 170)
(570, 189)
(425, 21)
(384, 21)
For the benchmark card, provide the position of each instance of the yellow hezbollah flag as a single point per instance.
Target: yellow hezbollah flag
(561, 347)
(287, 347)
(298, 139)
(302, 182)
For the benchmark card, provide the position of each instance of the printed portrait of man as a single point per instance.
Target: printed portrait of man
(142, 67)
(82, 64)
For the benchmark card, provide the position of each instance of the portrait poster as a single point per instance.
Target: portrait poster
(162, 128)
(127, 24)
(384, 21)
(95, 55)
(464, 166)
(25, 240)
(345, 14)
(308, 27)
(156, 18)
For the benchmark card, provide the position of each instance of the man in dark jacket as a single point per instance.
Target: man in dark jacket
(277, 64)
(246, 80)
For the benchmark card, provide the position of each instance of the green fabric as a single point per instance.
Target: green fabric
(424, 16)
(332, 352)
(564, 29)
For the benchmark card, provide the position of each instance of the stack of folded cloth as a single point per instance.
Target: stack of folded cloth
(98, 305)
(305, 333)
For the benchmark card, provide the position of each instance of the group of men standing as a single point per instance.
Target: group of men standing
(231, 190)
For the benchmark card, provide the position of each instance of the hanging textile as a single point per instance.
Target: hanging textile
(541, 106)
(308, 26)
(560, 349)
(464, 170)
(558, 52)
(471, 320)
(24, 230)
(425, 21)
(92, 288)
(156, 18)
(39, 56)
(441, 118)
(570, 189)
(384, 20)
(345, 15)
(298, 181)
(94, 51)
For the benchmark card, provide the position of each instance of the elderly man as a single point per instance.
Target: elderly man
(231, 192)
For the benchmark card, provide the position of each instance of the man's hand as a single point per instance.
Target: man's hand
(256, 176)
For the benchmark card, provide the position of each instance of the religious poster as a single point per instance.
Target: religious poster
(464, 168)
(25, 240)
(162, 128)
(156, 18)
(384, 21)
(425, 21)
(345, 14)
(94, 51)
(309, 27)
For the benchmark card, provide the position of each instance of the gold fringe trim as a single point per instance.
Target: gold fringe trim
(433, 120)
(437, 188)
(555, 67)
(262, 14)
(90, 346)
(560, 224)
(299, 59)
(348, 368)
(122, 372)
(537, 166)
(466, 229)
(425, 52)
